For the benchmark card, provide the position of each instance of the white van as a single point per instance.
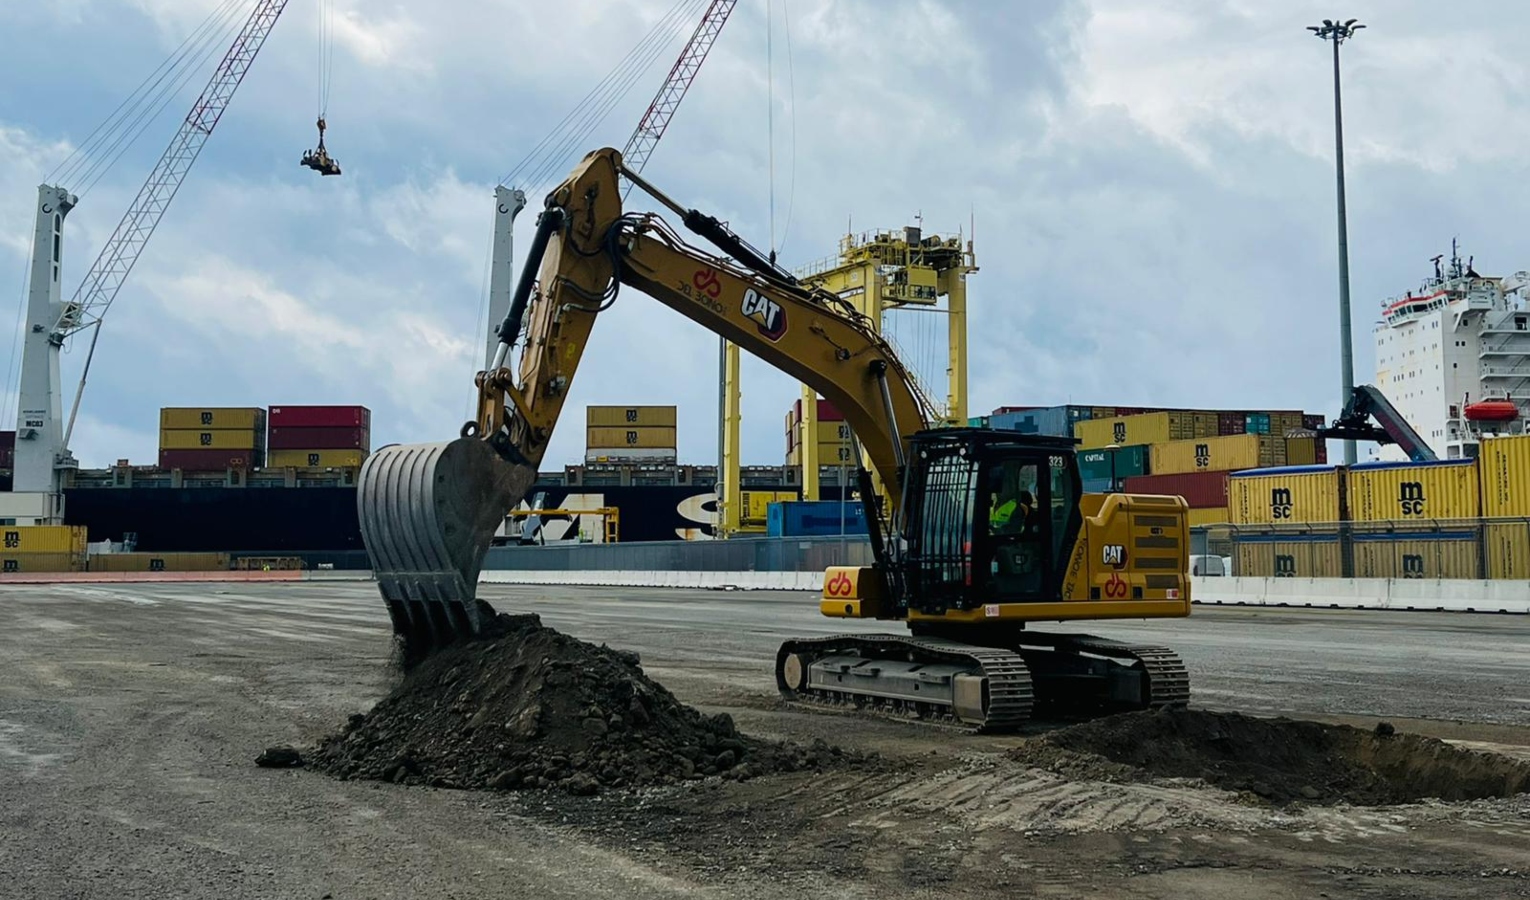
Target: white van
(1208, 566)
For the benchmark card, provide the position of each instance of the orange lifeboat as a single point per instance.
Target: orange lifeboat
(1492, 411)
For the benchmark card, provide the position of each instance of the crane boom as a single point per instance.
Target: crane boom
(651, 127)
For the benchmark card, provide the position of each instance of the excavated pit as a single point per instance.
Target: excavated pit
(1279, 760)
(526, 706)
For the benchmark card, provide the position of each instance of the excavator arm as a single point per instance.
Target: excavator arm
(428, 512)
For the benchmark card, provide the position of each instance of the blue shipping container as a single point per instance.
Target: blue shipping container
(807, 518)
(1053, 420)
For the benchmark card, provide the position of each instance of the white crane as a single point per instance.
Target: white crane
(42, 437)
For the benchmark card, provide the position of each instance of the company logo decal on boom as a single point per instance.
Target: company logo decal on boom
(767, 314)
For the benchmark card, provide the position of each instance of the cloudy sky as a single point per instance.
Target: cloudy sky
(1149, 185)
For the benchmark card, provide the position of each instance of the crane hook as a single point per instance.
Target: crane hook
(319, 160)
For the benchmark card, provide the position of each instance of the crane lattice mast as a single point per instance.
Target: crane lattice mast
(651, 127)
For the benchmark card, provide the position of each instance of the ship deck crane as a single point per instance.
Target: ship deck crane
(42, 436)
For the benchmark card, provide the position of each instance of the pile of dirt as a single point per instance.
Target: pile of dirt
(529, 707)
(1279, 760)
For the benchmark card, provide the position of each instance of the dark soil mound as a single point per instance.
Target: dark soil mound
(529, 707)
(1280, 760)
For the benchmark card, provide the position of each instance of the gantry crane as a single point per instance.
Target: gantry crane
(42, 437)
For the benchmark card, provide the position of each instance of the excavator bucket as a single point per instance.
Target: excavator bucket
(428, 515)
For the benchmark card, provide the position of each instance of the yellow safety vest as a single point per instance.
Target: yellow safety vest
(1000, 515)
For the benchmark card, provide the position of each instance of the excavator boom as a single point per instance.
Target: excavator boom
(429, 511)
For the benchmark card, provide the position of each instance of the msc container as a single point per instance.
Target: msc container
(1215, 515)
(1148, 428)
(1218, 454)
(210, 439)
(831, 454)
(209, 460)
(1277, 496)
(1288, 556)
(321, 416)
(636, 455)
(42, 562)
(1508, 549)
(809, 518)
(248, 418)
(649, 436)
(158, 562)
(827, 412)
(1449, 555)
(1302, 451)
(293, 437)
(624, 416)
(1504, 473)
(1201, 490)
(316, 458)
(21, 539)
(1118, 463)
(1384, 492)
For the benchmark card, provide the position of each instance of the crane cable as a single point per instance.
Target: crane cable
(326, 53)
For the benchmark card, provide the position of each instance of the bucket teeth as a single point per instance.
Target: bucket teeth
(428, 514)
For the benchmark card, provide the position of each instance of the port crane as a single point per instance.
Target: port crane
(42, 434)
(508, 201)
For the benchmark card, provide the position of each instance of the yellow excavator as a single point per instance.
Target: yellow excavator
(976, 534)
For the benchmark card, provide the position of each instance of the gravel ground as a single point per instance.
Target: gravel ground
(130, 718)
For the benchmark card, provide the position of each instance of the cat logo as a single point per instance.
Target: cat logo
(767, 314)
(1113, 555)
(1410, 495)
(1202, 456)
(1280, 503)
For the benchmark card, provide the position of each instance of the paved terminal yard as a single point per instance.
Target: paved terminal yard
(130, 716)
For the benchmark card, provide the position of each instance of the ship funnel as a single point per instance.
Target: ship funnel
(428, 515)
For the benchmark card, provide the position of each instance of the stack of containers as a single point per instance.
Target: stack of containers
(1422, 506)
(1503, 465)
(1106, 471)
(833, 436)
(630, 434)
(211, 439)
(320, 437)
(1145, 428)
(42, 548)
(1263, 500)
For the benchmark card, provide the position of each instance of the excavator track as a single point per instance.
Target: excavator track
(1163, 680)
(850, 671)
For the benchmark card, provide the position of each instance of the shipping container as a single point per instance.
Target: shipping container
(1256, 423)
(827, 412)
(210, 439)
(1277, 496)
(321, 416)
(289, 437)
(816, 518)
(1149, 428)
(1301, 451)
(977, 422)
(634, 455)
(832, 454)
(210, 460)
(1504, 473)
(1445, 555)
(1099, 486)
(1001, 410)
(1230, 423)
(754, 506)
(1201, 490)
(1320, 451)
(42, 562)
(1283, 422)
(1313, 421)
(1385, 492)
(158, 562)
(1288, 556)
(248, 418)
(1118, 463)
(315, 459)
(1058, 421)
(625, 416)
(21, 539)
(1508, 549)
(1205, 424)
(1215, 515)
(650, 436)
(1218, 454)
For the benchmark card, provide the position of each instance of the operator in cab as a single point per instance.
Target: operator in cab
(1011, 506)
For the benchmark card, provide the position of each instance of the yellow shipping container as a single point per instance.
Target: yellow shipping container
(242, 417)
(1504, 473)
(42, 562)
(1312, 557)
(1210, 516)
(1205, 424)
(210, 439)
(315, 459)
(625, 416)
(1390, 492)
(829, 454)
(638, 436)
(756, 504)
(1301, 451)
(1148, 428)
(1508, 550)
(1410, 557)
(158, 562)
(1218, 454)
(1291, 495)
(20, 539)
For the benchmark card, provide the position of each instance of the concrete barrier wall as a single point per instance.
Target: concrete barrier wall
(740, 581)
(1366, 593)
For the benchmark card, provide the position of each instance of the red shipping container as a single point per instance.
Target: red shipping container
(1322, 452)
(1001, 410)
(208, 460)
(7, 440)
(1202, 490)
(1230, 423)
(826, 412)
(320, 417)
(1312, 421)
(288, 437)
